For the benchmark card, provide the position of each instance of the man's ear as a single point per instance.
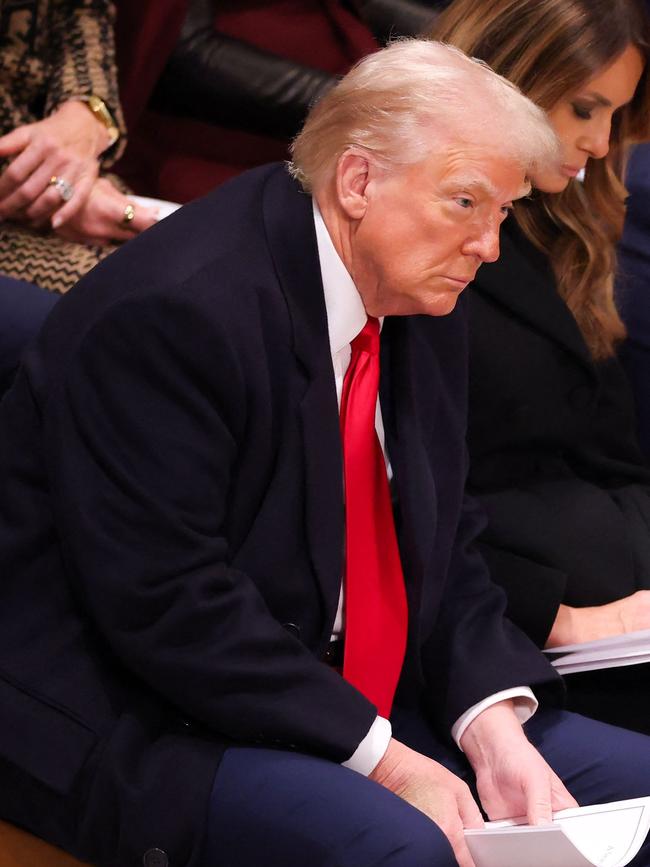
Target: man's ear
(353, 172)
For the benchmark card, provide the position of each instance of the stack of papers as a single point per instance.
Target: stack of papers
(629, 649)
(604, 835)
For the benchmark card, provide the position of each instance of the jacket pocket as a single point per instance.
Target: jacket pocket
(46, 743)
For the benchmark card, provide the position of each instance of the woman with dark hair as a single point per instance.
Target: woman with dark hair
(554, 457)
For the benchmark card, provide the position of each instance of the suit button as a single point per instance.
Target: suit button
(293, 628)
(155, 858)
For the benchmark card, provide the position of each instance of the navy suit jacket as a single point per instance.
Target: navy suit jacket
(171, 529)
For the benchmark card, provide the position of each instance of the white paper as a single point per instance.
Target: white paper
(164, 208)
(632, 648)
(603, 835)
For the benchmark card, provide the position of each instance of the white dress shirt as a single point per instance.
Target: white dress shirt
(346, 317)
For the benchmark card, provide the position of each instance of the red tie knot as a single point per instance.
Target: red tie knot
(367, 340)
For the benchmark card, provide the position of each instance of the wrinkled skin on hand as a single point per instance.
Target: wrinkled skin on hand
(66, 145)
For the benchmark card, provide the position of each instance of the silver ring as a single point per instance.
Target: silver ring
(64, 189)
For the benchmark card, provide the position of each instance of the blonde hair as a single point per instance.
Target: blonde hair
(549, 49)
(402, 101)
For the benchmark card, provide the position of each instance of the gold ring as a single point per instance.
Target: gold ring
(129, 214)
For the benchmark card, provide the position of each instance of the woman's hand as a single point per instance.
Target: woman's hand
(576, 625)
(63, 147)
(103, 219)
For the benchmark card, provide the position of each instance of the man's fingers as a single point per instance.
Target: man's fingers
(539, 810)
(470, 815)
(561, 798)
(456, 837)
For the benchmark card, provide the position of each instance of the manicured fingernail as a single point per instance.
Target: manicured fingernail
(56, 221)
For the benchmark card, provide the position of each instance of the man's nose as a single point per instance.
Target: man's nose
(485, 246)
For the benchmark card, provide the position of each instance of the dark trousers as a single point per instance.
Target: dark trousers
(285, 809)
(23, 309)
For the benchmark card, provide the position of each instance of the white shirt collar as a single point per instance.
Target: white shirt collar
(346, 314)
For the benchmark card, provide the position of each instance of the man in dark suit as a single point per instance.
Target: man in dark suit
(172, 516)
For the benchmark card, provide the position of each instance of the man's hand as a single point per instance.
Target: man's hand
(434, 790)
(65, 145)
(512, 778)
(575, 625)
(101, 220)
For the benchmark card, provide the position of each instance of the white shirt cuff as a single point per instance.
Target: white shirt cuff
(525, 705)
(371, 750)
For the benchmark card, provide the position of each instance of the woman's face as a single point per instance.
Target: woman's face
(583, 119)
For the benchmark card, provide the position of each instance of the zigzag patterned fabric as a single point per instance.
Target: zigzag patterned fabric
(50, 52)
(46, 260)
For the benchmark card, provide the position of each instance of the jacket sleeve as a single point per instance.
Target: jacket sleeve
(475, 650)
(82, 59)
(534, 590)
(146, 438)
(390, 18)
(218, 79)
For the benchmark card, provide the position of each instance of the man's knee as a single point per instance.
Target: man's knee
(420, 844)
(299, 810)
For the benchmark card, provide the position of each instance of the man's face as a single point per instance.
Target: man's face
(427, 228)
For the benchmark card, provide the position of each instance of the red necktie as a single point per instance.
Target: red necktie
(376, 614)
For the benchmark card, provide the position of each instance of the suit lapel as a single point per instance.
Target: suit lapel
(522, 281)
(292, 242)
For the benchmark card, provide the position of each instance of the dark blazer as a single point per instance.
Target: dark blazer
(554, 458)
(171, 529)
(634, 287)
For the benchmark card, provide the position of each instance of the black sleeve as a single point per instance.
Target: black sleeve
(391, 18)
(534, 590)
(218, 79)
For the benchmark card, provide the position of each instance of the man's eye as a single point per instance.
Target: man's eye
(464, 202)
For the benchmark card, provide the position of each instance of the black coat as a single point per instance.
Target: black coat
(171, 529)
(554, 456)
(634, 287)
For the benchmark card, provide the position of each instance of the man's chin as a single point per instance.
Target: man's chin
(440, 305)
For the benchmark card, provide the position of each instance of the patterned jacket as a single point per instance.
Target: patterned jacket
(52, 51)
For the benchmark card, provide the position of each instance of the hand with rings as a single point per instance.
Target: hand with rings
(66, 190)
(53, 165)
(106, 217)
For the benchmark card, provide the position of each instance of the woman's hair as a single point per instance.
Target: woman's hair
(400, 103)
(549, 49)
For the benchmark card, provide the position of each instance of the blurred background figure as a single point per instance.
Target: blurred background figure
(211, 89)
(62, 128)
